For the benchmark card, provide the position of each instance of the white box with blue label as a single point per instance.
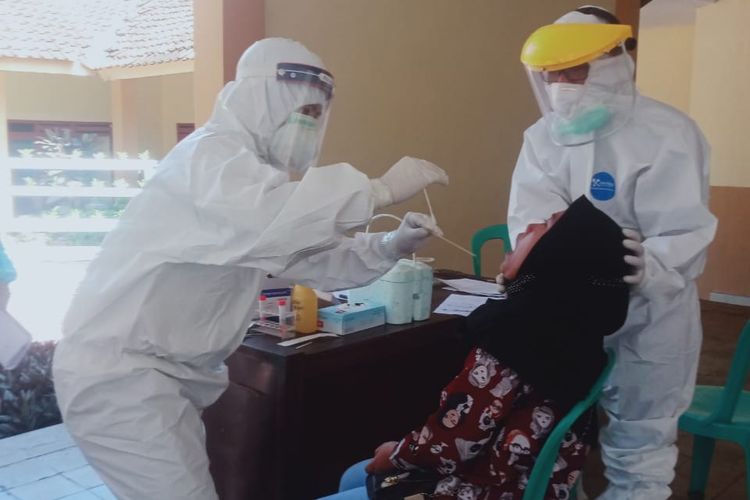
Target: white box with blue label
(351, 317)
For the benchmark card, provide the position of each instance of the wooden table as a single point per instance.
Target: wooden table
(292, 420)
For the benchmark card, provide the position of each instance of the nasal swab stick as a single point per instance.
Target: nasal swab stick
(429, 205)
(434, 221)
(454, 244)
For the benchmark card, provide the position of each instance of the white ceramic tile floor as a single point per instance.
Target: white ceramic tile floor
(46, 465)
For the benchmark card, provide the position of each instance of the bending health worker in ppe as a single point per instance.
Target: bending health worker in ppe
(169, 297)
(645, 165)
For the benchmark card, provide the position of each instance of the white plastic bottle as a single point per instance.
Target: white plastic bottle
(285, 319)
(397, 289)
(423, 290)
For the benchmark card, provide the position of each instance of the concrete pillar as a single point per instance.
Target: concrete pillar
(222, 30)
(244, 23)
(124, 117)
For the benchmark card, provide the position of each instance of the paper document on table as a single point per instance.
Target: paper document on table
(461, 305)
(474, 287)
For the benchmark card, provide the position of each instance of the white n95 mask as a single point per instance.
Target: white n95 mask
(564, 98)
(295, 145)
(579, 110)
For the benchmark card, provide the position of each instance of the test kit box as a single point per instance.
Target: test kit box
(350, 317)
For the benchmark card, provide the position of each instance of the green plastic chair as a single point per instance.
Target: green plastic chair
(720, 413)
(496, 232)
(542, 471)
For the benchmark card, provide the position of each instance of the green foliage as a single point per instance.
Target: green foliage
(57, 144)
(74, 239)
(27, 395)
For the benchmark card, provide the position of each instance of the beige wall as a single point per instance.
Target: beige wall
(176, 106)
(703, 69)
(720, 100)
(147, 97)
(209, 56)
(124, 116)
(665, 64)
(439, 79)
(154, 105)
(37, 96)
(160, 102)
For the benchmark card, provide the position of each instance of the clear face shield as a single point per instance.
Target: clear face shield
(588, 101)
(296, 144)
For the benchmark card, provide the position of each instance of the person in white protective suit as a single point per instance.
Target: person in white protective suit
(645, 165)
(170, 295)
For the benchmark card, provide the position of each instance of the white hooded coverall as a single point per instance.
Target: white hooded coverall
(652, 176)
(172, 291)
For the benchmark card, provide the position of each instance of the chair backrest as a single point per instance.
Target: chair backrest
(735, 380)
(496, 232)
(545, 462)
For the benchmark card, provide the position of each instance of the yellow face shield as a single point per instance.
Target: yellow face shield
(582, 78)
(560, 46)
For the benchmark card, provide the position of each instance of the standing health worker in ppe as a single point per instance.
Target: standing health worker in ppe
(170, 296)
(645, 165)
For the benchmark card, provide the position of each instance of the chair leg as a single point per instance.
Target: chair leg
(703, 451)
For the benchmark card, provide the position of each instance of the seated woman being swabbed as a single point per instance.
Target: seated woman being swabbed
(533, 356)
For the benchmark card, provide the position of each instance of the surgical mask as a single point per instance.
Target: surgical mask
(586, 122)
(295, 143)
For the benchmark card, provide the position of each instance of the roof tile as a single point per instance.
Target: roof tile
(98, 33)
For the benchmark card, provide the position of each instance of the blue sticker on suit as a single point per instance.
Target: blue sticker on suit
(603, 186)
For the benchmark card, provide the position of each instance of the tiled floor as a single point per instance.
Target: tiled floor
(46, 465)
